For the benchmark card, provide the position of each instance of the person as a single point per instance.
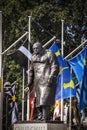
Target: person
(43, 73)
(7, 86)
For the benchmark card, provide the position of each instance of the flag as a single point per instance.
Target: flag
(25, 52)
(64, 80)
(32, 102)
(57, 110)
(13, 104)
(83, 90)
(14, 118)
(78, 64)
(65, 87)
(21, 56)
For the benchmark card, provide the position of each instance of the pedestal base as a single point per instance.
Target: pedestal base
(39, 126)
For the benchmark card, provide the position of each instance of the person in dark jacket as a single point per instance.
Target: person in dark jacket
(43, 73)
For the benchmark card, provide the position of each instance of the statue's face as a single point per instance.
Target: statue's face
(37, 48)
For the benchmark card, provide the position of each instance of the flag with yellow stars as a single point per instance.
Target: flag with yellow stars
(79, 66)
(65, 86)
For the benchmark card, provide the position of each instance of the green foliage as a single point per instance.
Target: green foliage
(46, 21)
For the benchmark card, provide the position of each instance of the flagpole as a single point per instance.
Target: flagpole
(28, 94)
(25, 34)
(23, 97)
(62, 40)
(6, 112)
(76, 49)
(70, 108)
(47, 43)
(1, 106)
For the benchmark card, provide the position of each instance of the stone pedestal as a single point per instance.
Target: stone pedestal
(39, 126)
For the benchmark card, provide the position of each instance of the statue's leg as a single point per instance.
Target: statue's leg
(39, 111)
(45, 112)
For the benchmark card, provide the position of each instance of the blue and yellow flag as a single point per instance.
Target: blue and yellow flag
(65, 87)
(83, 90)
(13, 103)
(79, 66)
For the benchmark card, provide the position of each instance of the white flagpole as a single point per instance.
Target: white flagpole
(28, 94)
(70, 111)
(19, 39)
(23, 97)
(62, 41)
(1, 106)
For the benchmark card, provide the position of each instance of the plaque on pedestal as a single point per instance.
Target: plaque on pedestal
(39, 126)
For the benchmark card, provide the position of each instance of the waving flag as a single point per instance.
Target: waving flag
(79, 66)
(83, 89)
(13, 104)
(65, 80)
(21, 56)
(25, 52)
(32, 102)
(65, 87)
(57, 110)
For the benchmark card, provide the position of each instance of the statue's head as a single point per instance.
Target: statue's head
(37, 48)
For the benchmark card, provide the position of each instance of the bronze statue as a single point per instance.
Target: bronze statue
(43, 74)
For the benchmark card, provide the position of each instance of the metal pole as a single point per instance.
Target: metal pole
(6, 112)
(70, 113)
(23, 97)
(62, 37)
(62, 40)
(1, 106)
(47, 43)
(15, 43)
(75, 50)
(28, 94)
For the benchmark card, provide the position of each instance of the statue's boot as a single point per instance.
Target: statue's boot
(45, 113)
(39, 110)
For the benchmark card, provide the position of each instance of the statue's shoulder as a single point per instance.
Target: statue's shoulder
(33, 57)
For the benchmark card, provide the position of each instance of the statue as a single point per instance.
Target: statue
(42, 75)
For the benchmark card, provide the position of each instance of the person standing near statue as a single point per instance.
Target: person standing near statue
(43, 73)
